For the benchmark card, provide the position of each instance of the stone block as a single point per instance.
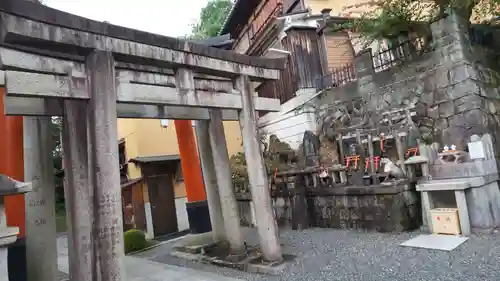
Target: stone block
(470, 119)
(464, 170)
(491, 93)
(484, 207)
(469, 102)
(433, 112)
(462, 125)
(446, 109)
(451, 24)
(440, 124)
(446, 52)
(437, 78)
(452, 92)
(461, 72)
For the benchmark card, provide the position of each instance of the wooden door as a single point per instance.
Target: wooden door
(138, 204)
(162, 200)
(128, 214)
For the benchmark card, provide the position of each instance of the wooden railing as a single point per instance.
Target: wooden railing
(398, 54)
(337, 77)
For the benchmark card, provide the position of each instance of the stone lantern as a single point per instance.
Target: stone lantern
(8, 235)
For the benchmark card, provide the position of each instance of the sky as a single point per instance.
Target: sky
(165, 17)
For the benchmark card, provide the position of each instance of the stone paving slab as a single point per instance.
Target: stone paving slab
(139, 269)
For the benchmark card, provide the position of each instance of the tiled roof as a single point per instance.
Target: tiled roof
(159, 158)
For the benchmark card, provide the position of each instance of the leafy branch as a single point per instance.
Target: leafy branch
(212, 18)
(390, 19)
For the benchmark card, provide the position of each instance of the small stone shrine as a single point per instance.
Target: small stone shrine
(355, 178)
(8, 235)
(370, 189)
(464, 180)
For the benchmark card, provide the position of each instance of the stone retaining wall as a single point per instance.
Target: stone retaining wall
(453, 86)
(384, 209)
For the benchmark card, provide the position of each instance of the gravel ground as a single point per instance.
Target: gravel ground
(327, 254)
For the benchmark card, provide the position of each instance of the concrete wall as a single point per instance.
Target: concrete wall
(289, 125)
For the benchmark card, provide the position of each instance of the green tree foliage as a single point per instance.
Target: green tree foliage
(212, 18)
(56, 128)
(392, 18)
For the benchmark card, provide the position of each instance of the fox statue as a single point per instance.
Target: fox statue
(391, 169)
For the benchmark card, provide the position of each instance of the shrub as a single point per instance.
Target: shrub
(134, 240)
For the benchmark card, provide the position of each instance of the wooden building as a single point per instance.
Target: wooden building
(293, 29)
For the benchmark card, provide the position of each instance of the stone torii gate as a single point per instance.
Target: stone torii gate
(91, 73)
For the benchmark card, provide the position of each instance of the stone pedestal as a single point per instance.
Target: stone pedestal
(474, 185)
(8, 235)
(477, 200)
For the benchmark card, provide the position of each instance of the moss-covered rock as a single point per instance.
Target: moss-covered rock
(134, 240)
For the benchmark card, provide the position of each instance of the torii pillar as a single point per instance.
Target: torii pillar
(12, 165)
(196, 206)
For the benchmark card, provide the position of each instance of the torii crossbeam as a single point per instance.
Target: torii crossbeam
(57, 64)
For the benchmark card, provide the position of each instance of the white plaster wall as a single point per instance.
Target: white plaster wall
(182, 217)
(149, 221)
(292, 121)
